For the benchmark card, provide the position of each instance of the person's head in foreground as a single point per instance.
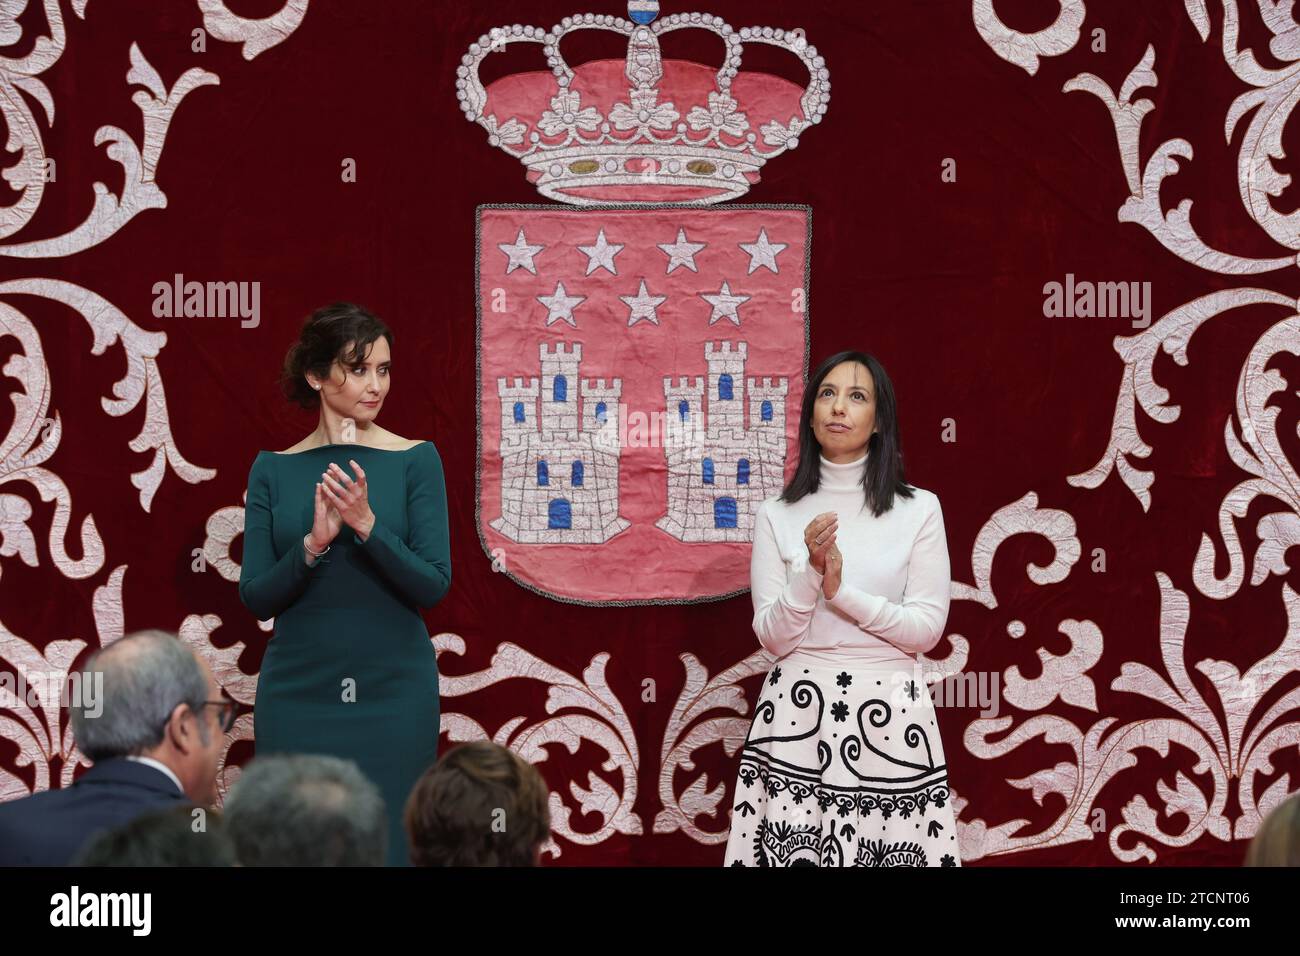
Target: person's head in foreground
(1277, 842)
(480, 805)
(178, 836)
(160, 701)
(306, 810)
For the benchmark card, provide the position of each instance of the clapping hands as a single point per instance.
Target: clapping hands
(823, 552)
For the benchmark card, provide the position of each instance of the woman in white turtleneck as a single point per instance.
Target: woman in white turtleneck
(844, 765)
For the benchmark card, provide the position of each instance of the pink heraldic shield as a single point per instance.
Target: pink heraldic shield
(640, 373)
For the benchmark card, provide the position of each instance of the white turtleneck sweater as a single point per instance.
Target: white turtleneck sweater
(892, 601)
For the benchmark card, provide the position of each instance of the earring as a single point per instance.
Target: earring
(317, 387)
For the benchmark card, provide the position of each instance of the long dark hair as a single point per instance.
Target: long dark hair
(882, 477)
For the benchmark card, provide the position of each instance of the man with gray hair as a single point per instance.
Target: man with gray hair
(155, 735)
(306, 810)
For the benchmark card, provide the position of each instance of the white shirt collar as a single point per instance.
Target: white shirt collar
(159, 765)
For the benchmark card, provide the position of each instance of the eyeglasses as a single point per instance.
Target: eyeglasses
(227, 715)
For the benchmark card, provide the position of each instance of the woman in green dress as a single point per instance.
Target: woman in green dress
(345, 540)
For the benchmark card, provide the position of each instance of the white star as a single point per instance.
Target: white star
(560, 305)
(601, 255)
(521, 254)
(681, 252)
(643, 305)
(761, 252)
(725, 304)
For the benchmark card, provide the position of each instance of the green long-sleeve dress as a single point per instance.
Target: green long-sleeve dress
(350, 670)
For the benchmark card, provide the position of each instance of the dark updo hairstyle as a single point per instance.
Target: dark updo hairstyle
(882, 477)
(325, 334)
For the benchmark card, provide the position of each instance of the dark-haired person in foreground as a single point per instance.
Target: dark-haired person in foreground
(345, 540)
(155, 736)
(305, 810)
(481, 805)
(843, 765)
(181, 836)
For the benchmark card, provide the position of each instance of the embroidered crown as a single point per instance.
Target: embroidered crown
(663, 131)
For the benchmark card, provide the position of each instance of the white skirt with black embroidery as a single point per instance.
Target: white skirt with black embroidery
(843, 766)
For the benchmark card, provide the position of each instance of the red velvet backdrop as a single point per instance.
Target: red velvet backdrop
(1109, 744)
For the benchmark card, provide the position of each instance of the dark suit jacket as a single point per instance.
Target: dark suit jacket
(49, 828)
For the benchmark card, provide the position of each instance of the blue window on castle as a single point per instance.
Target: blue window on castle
(766, 410)
(724, 386)
(724, 513)
(575, 475)
(559, 515)
(601, 414)
(683, 409)
(560, 389)
(543, 475)
(742, 471)
(519, 411)
(707, 471)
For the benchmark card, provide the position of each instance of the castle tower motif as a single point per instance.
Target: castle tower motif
(721, 469)
(559, 456)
